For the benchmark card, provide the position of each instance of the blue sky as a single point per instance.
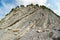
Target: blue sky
(7, 5)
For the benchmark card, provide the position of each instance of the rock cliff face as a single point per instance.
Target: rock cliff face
(30, 23)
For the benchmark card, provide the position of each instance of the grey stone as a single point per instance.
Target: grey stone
(29, 23)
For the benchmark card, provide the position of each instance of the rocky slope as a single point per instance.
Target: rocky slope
(30, 23)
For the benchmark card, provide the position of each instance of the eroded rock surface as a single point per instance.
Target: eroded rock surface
(30, 23)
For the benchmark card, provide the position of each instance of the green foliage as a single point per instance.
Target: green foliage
(30, 5)
(2, 20)
(10, 11)
(17, 7)
(56, 15)
(53, 12)
(6, 14)
(37, 5)
(21, 5)
(42, 6)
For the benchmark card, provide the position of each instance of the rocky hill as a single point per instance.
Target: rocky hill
(32, 22)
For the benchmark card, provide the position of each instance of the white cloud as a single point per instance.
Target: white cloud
(26, 2)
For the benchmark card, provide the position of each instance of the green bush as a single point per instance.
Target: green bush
(9, 12)
(17, 7)
(30, 5)
(42, 6)
(37, 5)
(21, 5)
(12, 9)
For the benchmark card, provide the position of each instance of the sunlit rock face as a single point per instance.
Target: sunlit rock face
(30, 23)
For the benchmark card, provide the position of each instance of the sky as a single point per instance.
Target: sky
(7, 5)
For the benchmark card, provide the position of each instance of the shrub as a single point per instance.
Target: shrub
(44, 7)
(21, 5)
(17, 7)
(30, 5)
(37, 5)
(6, 14)
(12, 9)
(9, 12)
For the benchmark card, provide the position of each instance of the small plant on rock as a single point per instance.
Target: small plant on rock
(21, 5)
(37, 5)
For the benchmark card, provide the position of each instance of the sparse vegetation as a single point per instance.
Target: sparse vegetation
(9, 12)
(19, 25)
(33, 5)
(6, 14)
(12, 9)
(53, 12)
(30, 5)
(21, 5)
(56, 15)
(37, 5)
(44, 7)
(17, 7)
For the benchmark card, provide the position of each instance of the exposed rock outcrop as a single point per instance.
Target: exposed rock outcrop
(30, 23)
